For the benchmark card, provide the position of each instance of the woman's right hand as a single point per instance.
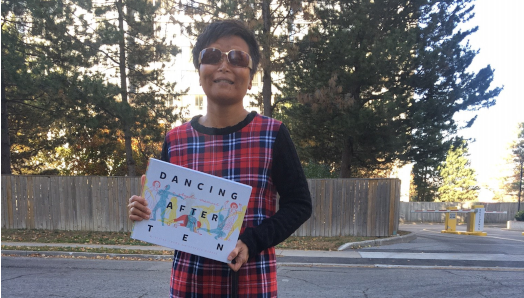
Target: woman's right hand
(137, 207)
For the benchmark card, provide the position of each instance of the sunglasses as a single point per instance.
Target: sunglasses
(234, 57)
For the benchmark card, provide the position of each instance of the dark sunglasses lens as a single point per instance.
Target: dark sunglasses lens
(238, 58)
(210, 56)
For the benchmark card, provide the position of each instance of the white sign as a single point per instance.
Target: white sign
(192, 211)
(479, 219)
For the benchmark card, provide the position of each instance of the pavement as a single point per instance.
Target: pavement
(426, 246)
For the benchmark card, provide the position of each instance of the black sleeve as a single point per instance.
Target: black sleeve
(164, 156)
(295, 199)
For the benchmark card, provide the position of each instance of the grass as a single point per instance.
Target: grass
(124, 238)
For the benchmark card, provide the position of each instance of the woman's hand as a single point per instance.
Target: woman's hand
(137, 207)
(238, 256)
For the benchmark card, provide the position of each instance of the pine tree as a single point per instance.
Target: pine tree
(379, 82)
(56, 45)
(459, 183)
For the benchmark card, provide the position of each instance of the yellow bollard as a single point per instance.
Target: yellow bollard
(450, 223)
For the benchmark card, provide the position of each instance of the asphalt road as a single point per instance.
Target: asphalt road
(24, 277)
(433, 265)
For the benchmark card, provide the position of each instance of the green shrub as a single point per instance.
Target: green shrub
(520, 215)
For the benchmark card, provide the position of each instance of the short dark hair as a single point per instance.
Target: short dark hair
(224, 28)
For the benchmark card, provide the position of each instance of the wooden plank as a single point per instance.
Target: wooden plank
(371, 196)
(10, 202)
(397, 203)
(129, 191)
(121, 192)
(81, 196)
(41, 189)
(61, 204)
(318, 208)
(71, 214)
(16, 204)
(77, 205)
(392, 209)
(55, 203)
(90, 218)
(5, 214)
(44, 198)
(68, 211)
(323, 209)
(329, 215)
(111, 212)
(104, 203)
(365, 207)
(339, 186)
(358, 208)
(312, 218)
(95, 195)
(379, 215)
(22, 202)
(352, 184)
(346, 208)
(30, 219)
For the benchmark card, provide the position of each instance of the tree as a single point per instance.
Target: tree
(514, 186)
(39, 78)
(131, 45)
(56, 51)
(459, 183)
(379, 82)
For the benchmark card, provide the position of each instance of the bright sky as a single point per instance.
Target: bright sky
(500, 40)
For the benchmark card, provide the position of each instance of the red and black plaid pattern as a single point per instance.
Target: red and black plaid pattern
(244, 156)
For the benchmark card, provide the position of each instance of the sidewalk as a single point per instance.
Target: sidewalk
(345, 251)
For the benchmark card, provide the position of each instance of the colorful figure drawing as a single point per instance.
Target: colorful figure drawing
(174, 207)
(188, 221)
(205, 220)
(237, 225)
(223, 220)
(162, 203)
(150, 193)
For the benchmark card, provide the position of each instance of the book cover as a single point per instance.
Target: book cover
(192, 211)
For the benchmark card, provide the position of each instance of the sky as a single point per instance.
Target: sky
(500, 41)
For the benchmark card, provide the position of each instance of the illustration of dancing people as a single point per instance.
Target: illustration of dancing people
(162, 203)
(189, 221)
(225, 222)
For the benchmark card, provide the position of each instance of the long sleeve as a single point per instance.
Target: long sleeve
(295, 200)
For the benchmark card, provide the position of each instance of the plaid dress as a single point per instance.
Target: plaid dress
(243, 153)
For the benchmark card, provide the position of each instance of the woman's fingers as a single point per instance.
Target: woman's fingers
(138, 209)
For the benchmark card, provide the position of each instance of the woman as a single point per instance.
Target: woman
(230, 142)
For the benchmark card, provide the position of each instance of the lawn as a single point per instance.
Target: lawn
(123, 238)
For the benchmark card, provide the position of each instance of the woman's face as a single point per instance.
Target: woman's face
(223, 83)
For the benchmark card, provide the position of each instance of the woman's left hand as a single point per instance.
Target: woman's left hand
(238, 256)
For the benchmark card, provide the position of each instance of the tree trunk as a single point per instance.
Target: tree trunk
(266, 55)
(6, 146)
(126, 122)
(347, 156)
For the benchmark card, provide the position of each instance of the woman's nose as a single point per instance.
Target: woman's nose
(223, 65)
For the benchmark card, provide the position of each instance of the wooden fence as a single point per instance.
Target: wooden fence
(407, 216)
(341, 207)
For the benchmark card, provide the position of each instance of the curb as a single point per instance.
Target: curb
(91, 255)
(379, 242)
